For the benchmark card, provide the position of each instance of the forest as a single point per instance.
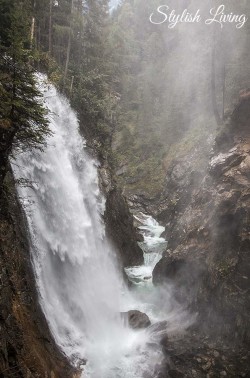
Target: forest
(117, 70)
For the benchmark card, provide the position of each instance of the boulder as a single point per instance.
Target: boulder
(223, 162)
(136, 319)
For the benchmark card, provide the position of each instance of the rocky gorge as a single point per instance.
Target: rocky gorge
(205, 215)
(208, 228)
(206, 218)
(125, 234)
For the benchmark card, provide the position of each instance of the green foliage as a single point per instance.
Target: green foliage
(133, 84)
(80, 60)
(140, 58)
(23, 120)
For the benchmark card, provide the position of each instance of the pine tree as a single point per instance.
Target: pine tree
(23, 122)
(91, 66)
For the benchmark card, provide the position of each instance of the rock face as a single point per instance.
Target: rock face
(120, 229)
(27, 348)
(208, 232)
(196, 357)
(136, 319)
(118, 218)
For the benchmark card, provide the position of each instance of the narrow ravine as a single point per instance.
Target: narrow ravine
(152, 245)
(81, 289)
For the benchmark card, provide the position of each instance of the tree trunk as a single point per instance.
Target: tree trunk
(32, 31)
(69, 44)
(71, 85)
(68, 55)
(50, 26)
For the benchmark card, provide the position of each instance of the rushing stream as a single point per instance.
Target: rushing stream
(81, 290)
(153, 245)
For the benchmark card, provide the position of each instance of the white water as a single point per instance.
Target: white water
(153, 246)
(80, 288)
(156, 302)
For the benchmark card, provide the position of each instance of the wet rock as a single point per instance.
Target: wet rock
(179, 171)
(121, 171)
(184, 276)
(165, 341)
(171, 270)
(241, 116)
(223, 373)
(207, 261)
(206, 214)
(224, 162)
(207, 366)
(216, 354)
(105, 179)
(175, 374)
(158, 327)
(158, 332)
(136, 319)
(192, 355)
(120, 229)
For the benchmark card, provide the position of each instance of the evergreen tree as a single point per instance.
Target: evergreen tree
(23, 122)
(80, 47)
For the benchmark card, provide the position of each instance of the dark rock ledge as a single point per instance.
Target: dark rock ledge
(120, 229)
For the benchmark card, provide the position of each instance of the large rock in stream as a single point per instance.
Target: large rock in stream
(136, 319)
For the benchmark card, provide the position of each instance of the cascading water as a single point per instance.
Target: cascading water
(81, 290)
(153, 246)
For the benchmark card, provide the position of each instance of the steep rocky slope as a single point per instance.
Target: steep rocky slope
(119, 226)
(118, 217)
(207, 225)
(205, 209)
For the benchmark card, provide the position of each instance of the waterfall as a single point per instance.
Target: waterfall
(81, 290)
(80, 287)
(153, 246)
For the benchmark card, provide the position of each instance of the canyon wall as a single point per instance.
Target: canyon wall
(206, 214)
